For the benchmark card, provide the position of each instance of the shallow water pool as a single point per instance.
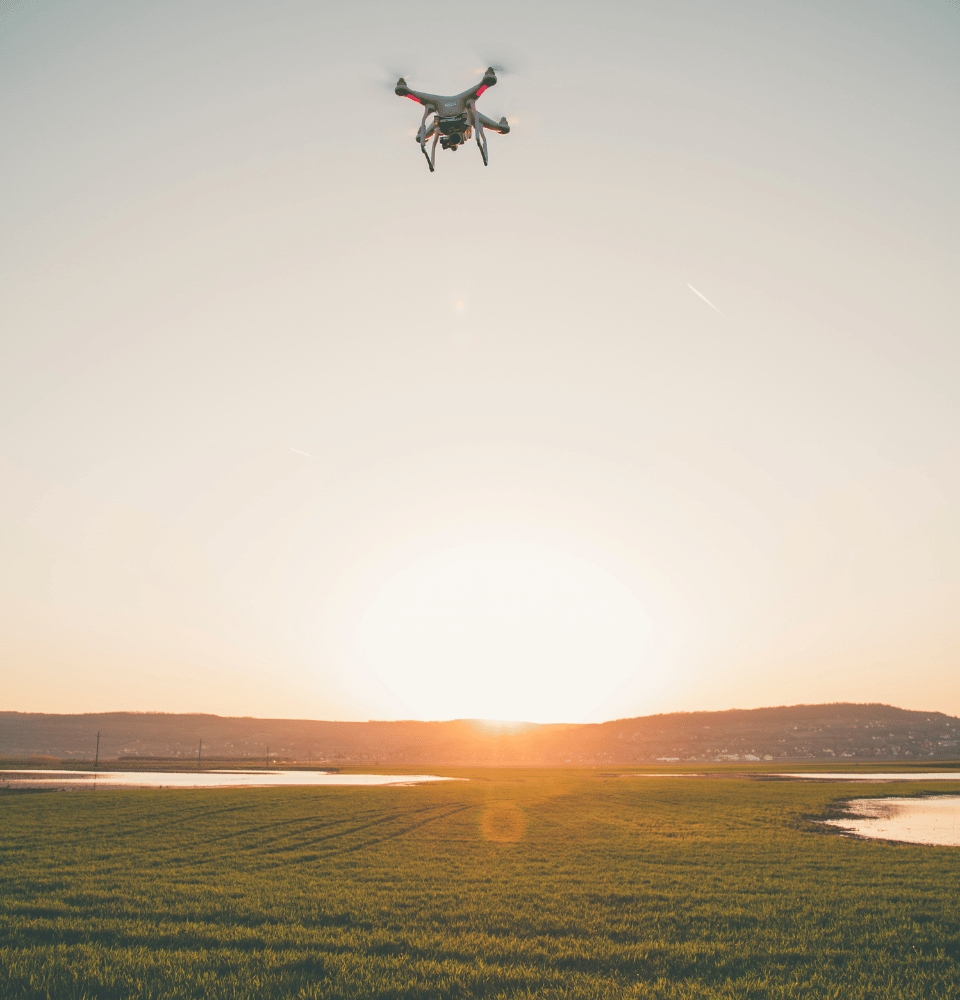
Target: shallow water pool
(931, 820)
(70, 780)
(871, 776)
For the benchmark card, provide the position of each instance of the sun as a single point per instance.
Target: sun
(504, 630)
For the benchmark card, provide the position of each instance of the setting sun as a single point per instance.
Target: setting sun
(504, 630)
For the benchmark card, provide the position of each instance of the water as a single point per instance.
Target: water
(872, 776)
(201, 779)
(933, 820)
(809, 776)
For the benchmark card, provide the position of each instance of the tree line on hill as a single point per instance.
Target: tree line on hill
(788, 733)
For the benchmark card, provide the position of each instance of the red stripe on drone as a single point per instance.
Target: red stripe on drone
(410, 97)
(481, 89)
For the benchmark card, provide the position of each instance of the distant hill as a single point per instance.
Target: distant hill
(788, 733)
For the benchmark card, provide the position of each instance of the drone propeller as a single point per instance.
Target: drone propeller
(503, 60)
(384, 75)
(497, 68)
(387, 80)
(521, 116)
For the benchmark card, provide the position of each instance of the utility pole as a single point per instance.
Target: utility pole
(199, 748)
(96, 760)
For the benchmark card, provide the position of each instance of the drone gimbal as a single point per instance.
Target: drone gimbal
(454, 118)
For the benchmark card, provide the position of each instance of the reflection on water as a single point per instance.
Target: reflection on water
(805, 776)
(201, 779)
(934, 820)
(873, 776)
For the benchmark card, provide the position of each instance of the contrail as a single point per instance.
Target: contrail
(702, 296)
(299, 452)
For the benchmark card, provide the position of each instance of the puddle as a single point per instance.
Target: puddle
(201, 779)
(875, 776)
(870, 776)
(933, 820)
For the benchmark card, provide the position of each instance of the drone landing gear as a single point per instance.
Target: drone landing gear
(481, 135)
(423, 135)
(453, 135)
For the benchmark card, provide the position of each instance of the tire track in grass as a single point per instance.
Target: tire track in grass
(372, 842)
(141, 823)
(291, 840)
(383, 822)
(408, 829)
(188, 851)
(250, 830)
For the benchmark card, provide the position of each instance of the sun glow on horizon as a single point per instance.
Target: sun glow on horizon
(504, 630)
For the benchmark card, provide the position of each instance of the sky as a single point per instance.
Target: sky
(690, 343)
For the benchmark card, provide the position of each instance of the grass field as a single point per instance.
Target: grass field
(514, 884)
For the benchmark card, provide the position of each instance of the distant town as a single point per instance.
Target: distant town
(796, 733)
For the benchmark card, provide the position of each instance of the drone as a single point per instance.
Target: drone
(455, 119)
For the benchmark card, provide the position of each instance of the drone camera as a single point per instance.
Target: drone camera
(453, 130)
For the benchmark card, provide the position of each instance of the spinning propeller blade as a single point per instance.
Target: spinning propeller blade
(384, 75)
(502, 58)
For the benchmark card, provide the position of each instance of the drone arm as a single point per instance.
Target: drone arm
(489, 80)
(501, 126)
(428, 100)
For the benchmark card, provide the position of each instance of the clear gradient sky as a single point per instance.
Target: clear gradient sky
(697, 324)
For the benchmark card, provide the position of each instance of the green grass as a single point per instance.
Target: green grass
(592, 886)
